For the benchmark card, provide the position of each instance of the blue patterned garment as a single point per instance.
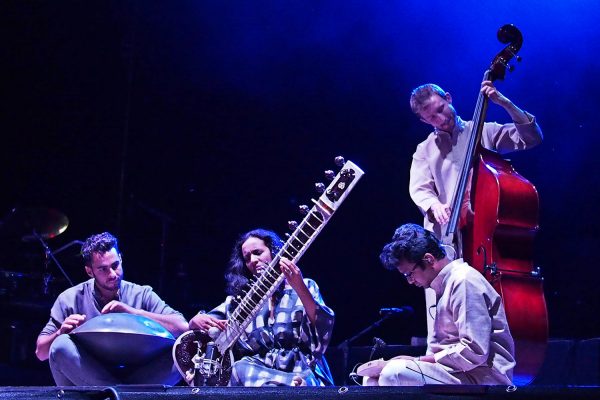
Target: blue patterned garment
(278, 350)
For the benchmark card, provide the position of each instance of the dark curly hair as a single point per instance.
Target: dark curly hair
(237, 275)
(410, 242)
(100, 243)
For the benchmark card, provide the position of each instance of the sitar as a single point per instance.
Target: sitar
(208, 356)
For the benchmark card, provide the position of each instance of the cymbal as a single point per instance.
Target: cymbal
(28, 223)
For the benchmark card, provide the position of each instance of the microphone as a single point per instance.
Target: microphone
(406, 310)
(377, 344)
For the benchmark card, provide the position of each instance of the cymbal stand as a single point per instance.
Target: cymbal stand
(50, 256)
(66, 246)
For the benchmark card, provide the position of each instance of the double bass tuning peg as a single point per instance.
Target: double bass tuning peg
(339, 161)
(329, 174)
(506, 65)
(292, 225)
(319, 187)
(515, 55)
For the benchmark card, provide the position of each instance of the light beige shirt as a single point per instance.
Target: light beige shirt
(470, 335)
(438, 160)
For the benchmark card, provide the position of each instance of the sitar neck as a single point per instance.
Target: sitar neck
(263, 286)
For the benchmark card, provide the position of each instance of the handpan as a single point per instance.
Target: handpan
(123, 339)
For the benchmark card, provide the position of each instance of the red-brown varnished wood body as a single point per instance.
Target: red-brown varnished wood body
(500, 235)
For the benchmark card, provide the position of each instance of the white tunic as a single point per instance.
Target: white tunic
(438, 160)
(471, 341)
(470, 333)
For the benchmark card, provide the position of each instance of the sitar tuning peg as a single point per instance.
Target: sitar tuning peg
(319, 187)
(339, 161)
(303, 209)
(329, 174)
(347, 173)
(292, 225)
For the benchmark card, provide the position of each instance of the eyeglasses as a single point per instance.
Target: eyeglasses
(408, 275)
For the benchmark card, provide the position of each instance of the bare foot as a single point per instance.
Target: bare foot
(298, 381)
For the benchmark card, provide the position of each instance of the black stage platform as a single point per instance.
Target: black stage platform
(341, 392)
(571, 370)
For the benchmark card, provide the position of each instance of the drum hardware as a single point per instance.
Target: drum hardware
(21, 221)
(39, 223)
(29, 225)
(50, 255)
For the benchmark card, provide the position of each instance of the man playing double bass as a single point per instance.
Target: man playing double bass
(437, 161)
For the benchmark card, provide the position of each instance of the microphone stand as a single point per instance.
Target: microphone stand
(345, 345)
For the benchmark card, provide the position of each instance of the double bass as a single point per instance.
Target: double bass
(497, 238)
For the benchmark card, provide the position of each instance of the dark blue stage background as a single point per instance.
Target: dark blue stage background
(209, 118)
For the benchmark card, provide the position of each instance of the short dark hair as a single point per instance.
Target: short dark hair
(421, 94)
(410, 242)
(100, 243)
(237, 275)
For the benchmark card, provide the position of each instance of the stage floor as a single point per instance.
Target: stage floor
(445, 392)
(571, 371)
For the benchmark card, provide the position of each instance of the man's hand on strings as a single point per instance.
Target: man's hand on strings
(439, 213)
(488, 89)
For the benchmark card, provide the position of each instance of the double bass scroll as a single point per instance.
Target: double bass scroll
(506, 34)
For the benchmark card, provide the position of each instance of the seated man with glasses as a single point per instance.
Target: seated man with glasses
(471, 342)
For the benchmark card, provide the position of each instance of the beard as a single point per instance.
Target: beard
(112, 286)
(448, 125)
